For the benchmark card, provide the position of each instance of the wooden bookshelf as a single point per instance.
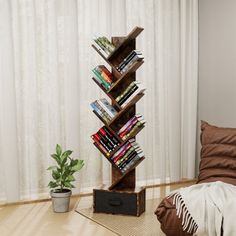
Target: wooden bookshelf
(122, 196)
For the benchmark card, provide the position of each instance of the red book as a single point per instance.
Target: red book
(106, 71)
(129, 127)
(121, 154)
(100, 146)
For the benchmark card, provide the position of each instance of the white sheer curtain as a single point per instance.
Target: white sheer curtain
(46, 87)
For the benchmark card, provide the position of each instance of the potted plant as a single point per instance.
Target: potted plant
(63, 176)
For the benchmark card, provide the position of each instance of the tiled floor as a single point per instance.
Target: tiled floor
(38, 219)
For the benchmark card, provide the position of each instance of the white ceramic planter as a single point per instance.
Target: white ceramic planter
(60, 201)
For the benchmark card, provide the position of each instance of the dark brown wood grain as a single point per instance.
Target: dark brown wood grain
(122, 183)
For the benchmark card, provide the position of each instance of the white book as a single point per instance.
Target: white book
(109, 109)
(139, 90)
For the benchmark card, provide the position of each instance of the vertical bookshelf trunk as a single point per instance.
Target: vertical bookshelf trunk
(122, 197)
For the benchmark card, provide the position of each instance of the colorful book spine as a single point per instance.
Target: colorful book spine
(128, 160)
(104, 134)
(122, 129)
(105, 109)
(100, 82)
(109, 107)
(132, 131)
(101, 147)
(105, 44)
(128, 59)
(100, 112)
(106, 75)
(104, 113)
(98, 139)
(98, 42)
(139, 90)
(106, 141)
(118, 98)
(118, 162)
(106, 84)
(130, 125)
(131, 62)
(126, 96)
(120, 151)
(114, 139)
(101, 49)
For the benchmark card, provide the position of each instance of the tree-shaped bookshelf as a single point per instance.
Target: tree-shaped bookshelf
(122, 197)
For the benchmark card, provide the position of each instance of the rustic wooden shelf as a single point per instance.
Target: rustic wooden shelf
(122, 142)
(114, 102)
(132, 69)
(131, 36)
(121, 112)
(123, 183)
(115, 71)
(113, 185)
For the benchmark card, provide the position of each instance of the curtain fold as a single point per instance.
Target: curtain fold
(46, 88)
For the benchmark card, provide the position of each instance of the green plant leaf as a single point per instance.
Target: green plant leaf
(52, 184)
(78, 166)
(56, 158)
(66, 154)
(74, 162)
(70, 178)
(58, 150)
(56, 175)
(51, 167)
(63, 162)
(62, 173)
(69, 185)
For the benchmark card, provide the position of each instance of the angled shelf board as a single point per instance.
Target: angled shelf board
(116, 73)
(122, 196)
(122, 142)
(121, 112)
(108, 94)
(133, 68)
(116, 182)
(132, 35)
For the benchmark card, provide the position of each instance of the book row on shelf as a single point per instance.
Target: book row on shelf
(106, 141)
(103, 76)
(104, 45)
(103, 109)
(133, 57)
(129, 93)
(127, 155)
(131, 127)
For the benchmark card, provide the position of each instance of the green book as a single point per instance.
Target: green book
(104, 82)
(106, 43)
(126, 91)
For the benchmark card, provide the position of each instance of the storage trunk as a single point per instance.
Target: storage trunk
(125, 202)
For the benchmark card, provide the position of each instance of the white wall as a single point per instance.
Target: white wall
(217, 62)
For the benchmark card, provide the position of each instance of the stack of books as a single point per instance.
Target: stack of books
(103, 109)
(129, 93)
(134, 56)
(104, 45)
(127, 155)
(131, 126)
(106, 141)
(103, 76)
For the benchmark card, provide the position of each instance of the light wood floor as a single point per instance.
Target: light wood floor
(38, 219)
